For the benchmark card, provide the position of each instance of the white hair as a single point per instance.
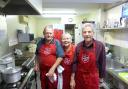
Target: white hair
(47, 27)
(88, 25)
(67, 34)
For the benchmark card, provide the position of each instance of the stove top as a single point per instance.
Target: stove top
(27, 75)
(23, 83)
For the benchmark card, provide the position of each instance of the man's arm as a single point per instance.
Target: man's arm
(74, 67)
(102, 63)
(60, 55)
(53, 68)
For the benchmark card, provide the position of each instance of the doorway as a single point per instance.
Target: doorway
(70, 28)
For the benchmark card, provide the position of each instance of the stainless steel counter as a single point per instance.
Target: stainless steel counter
(116, 80)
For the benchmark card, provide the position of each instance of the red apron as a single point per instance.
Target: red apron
(87, 76)
(67, 64)
(47, 57)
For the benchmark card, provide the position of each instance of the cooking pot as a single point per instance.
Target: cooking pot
(12, 75)
(6, 62)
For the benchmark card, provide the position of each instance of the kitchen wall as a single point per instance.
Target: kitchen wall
(116, 38)
(9, 25)
(13, 25)
(32, 23)
(42, 22)
(4, 46)
(93, 16)
(36, 25)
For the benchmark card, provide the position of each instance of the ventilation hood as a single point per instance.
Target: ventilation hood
(36, 4)
(3, 3)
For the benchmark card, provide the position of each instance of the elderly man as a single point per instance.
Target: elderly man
(89, 61)
(49, 54)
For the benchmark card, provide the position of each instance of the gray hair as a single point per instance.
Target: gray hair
(47, 27)
(88, 25)
(69, 35)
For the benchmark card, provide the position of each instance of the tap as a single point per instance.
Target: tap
(117, 59)
(126, 60)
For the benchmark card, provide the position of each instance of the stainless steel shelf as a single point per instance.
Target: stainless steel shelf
(114, 29)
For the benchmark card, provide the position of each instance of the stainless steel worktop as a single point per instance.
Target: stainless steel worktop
(113, 79)
(116, 76)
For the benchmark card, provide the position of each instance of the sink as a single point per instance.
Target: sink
(122, 73)
(121, 70)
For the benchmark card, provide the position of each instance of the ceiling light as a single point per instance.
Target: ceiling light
(59, 14)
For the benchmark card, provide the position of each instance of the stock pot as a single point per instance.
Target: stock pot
(6, 62)
(12, 75)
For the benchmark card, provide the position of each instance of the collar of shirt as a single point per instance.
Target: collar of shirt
(43, 40)
(89, 46)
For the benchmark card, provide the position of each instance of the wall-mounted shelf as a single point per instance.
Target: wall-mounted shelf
(114, 29)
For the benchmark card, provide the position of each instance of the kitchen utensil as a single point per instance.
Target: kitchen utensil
(6, 62)
(12, 75)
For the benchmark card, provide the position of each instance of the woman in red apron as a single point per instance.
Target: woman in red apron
(67, 60)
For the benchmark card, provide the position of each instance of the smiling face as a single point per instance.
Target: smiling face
(66, 40)
(87, 33)
(48, 33)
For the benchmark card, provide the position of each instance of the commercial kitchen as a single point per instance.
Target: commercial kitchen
(23, 21)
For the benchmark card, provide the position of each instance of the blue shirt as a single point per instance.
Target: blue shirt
(59, 50)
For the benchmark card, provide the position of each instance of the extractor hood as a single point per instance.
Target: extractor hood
(3, 3)
(36, 4)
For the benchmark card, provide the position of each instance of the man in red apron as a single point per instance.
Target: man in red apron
(49, 54)
(89, 61)
(68, 59)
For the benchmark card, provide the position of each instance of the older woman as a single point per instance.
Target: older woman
(69, 49)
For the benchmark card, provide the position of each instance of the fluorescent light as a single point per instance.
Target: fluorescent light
(59, 14)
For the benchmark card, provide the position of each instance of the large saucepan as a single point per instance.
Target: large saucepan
(6, 62)
(11, 75)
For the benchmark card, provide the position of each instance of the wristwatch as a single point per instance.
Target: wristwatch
(101, 80)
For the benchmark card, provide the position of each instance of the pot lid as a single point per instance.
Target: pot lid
(11, 70)
(6, 60)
